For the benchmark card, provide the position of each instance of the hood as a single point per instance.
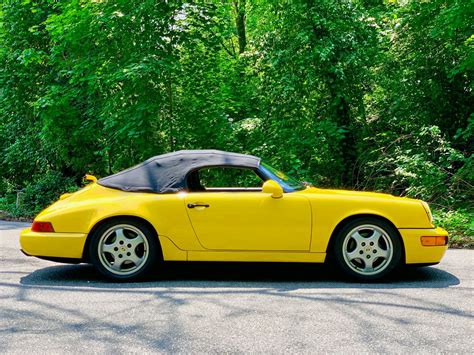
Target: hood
(350, 193)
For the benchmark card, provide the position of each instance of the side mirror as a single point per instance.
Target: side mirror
(272, 187)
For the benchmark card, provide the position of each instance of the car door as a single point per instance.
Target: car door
(245, 219)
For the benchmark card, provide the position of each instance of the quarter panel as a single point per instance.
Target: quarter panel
(80, 213)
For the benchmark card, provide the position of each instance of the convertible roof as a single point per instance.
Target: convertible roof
(167, 173)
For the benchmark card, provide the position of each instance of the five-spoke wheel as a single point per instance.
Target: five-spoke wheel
(123, 249)
(367, 249)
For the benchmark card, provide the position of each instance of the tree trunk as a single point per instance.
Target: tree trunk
(169, 89)
(240, 19)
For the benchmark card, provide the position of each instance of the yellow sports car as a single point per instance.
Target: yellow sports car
(218, 206)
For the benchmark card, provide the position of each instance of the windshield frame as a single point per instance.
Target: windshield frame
(288, 183)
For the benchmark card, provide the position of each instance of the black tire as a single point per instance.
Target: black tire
(367, 249)
(124, 249)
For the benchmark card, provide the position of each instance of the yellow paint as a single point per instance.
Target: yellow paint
(64, 245)
(90, 178)
(257, 256)
(330, 207)
(254, 221)
(272, 188)
(63, 196)
(417, 253)
(171, 251)
(247, 226)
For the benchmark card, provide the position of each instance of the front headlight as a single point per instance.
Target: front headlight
(428, 211)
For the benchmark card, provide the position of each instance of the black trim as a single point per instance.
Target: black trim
(24, 252)
(422, 264)
(61, 260)
(55, 259)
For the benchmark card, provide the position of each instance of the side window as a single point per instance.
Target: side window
(222, 177)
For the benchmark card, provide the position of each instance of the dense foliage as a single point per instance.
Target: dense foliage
(366, 94)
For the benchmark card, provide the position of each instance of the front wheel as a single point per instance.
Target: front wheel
(367, 249)
(123, 249)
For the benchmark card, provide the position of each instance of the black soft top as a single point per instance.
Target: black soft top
(167, 173)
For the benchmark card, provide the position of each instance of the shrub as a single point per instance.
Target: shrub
(459, 224)
(42, 191)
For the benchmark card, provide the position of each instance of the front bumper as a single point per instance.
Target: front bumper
(57, 245)
(415, 253)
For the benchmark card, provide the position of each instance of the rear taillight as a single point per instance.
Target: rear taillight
(431, 241)
(42, 227)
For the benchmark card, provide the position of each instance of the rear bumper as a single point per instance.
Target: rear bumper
(53, 245)
(415, 253)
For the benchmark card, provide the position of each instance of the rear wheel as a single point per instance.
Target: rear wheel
(367, 249)
(123, 249)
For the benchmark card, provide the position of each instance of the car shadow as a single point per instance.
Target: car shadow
(282, 276)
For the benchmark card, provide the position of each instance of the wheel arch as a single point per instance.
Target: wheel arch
(85, 254)
(354, 217)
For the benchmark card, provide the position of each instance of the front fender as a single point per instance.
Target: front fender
(330, 211)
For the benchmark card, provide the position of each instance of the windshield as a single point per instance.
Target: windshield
(288, 183)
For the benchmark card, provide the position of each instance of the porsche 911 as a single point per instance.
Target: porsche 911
(209, 205)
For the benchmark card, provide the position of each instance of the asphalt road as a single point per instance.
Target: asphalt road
(239, 308)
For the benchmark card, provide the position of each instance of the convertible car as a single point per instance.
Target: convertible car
(212, 205)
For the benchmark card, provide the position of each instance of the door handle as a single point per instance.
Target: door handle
(193, 205)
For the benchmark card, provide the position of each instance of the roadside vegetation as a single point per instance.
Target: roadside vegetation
(356, 94)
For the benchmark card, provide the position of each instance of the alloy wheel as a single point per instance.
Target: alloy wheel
(123, 249)
(367, 249)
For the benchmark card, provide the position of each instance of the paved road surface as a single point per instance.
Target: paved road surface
(243, 308)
